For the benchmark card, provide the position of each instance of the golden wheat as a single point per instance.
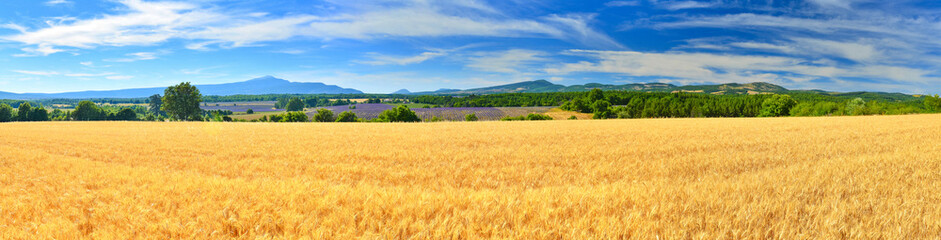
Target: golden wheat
(803, 178)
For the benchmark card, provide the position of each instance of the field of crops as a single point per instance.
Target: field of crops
(370, 111)
(872, 177)
(241, 107)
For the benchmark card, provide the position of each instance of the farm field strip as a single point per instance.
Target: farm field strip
(832, 177)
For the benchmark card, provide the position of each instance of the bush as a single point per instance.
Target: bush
(470, 117)
(573, 117)
(323, 115)
(601, 109)
(347, 116)
(435, 119)
(398, 114)
(352, 107)
(249, 111)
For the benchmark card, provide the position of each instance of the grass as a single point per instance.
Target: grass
(793, 178)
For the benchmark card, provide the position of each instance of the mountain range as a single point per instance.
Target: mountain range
(262, 85)
(539, 86)
(273, 85)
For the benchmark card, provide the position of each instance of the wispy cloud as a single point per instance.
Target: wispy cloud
(38, 73)
(57, 2)
(509, 61)
(141, 23)
(622, 3)
(138, 56)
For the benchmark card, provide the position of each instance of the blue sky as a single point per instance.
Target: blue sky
(384, 45)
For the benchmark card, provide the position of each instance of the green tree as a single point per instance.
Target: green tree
(294, 105)
(323, 115)
(154, 105)
(601, 109)
(182, 102)
(86, 111)
(38, 114)
(856, 107)
(22, 113)
(595, 95)
(777, 105)
(126, 114)
(933, 103)
(347, 116)
(6, 113)
(398, 114)
(470, 117)
(249, 111)
(292, 117)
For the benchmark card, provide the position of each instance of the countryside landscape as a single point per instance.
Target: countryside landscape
(137, 119)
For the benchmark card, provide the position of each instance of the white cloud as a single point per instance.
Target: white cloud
(622, 3)
(378, 59)
(42, 50)
(505, 61)
(57, 2)
(724, 68)
(87, 64)
(38, 73)
(138, 56)
(679, 5)
(120, 77)
(145, 23)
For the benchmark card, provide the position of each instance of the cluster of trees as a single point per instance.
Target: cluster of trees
(23, 113)
(672, 105)
(398, 114)
(530, 117)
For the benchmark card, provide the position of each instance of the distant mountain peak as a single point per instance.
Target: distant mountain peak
(267, 78)
(402, 91)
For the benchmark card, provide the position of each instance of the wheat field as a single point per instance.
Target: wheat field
(790, 178)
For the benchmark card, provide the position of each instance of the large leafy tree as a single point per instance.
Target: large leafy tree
(399, 114)
(39, 114)
(323, 115)
(294, 105)
(155, 102)
(6, 113)
(126, 114)
(347, 116)
(22, 113)
(777, 105)
(182, 102)
(87, 111)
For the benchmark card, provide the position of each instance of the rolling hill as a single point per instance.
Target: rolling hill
(262, 85)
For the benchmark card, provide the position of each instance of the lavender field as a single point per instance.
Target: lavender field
(241, 107)
(371, 111)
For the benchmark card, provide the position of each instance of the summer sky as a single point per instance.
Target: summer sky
(384, 45)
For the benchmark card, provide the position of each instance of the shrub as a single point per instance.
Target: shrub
(347, 116)
(573, 117)
(38, 114)
(352, 107)
(323, 115)
(470, 117)
(435, 119)
(249, 111)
